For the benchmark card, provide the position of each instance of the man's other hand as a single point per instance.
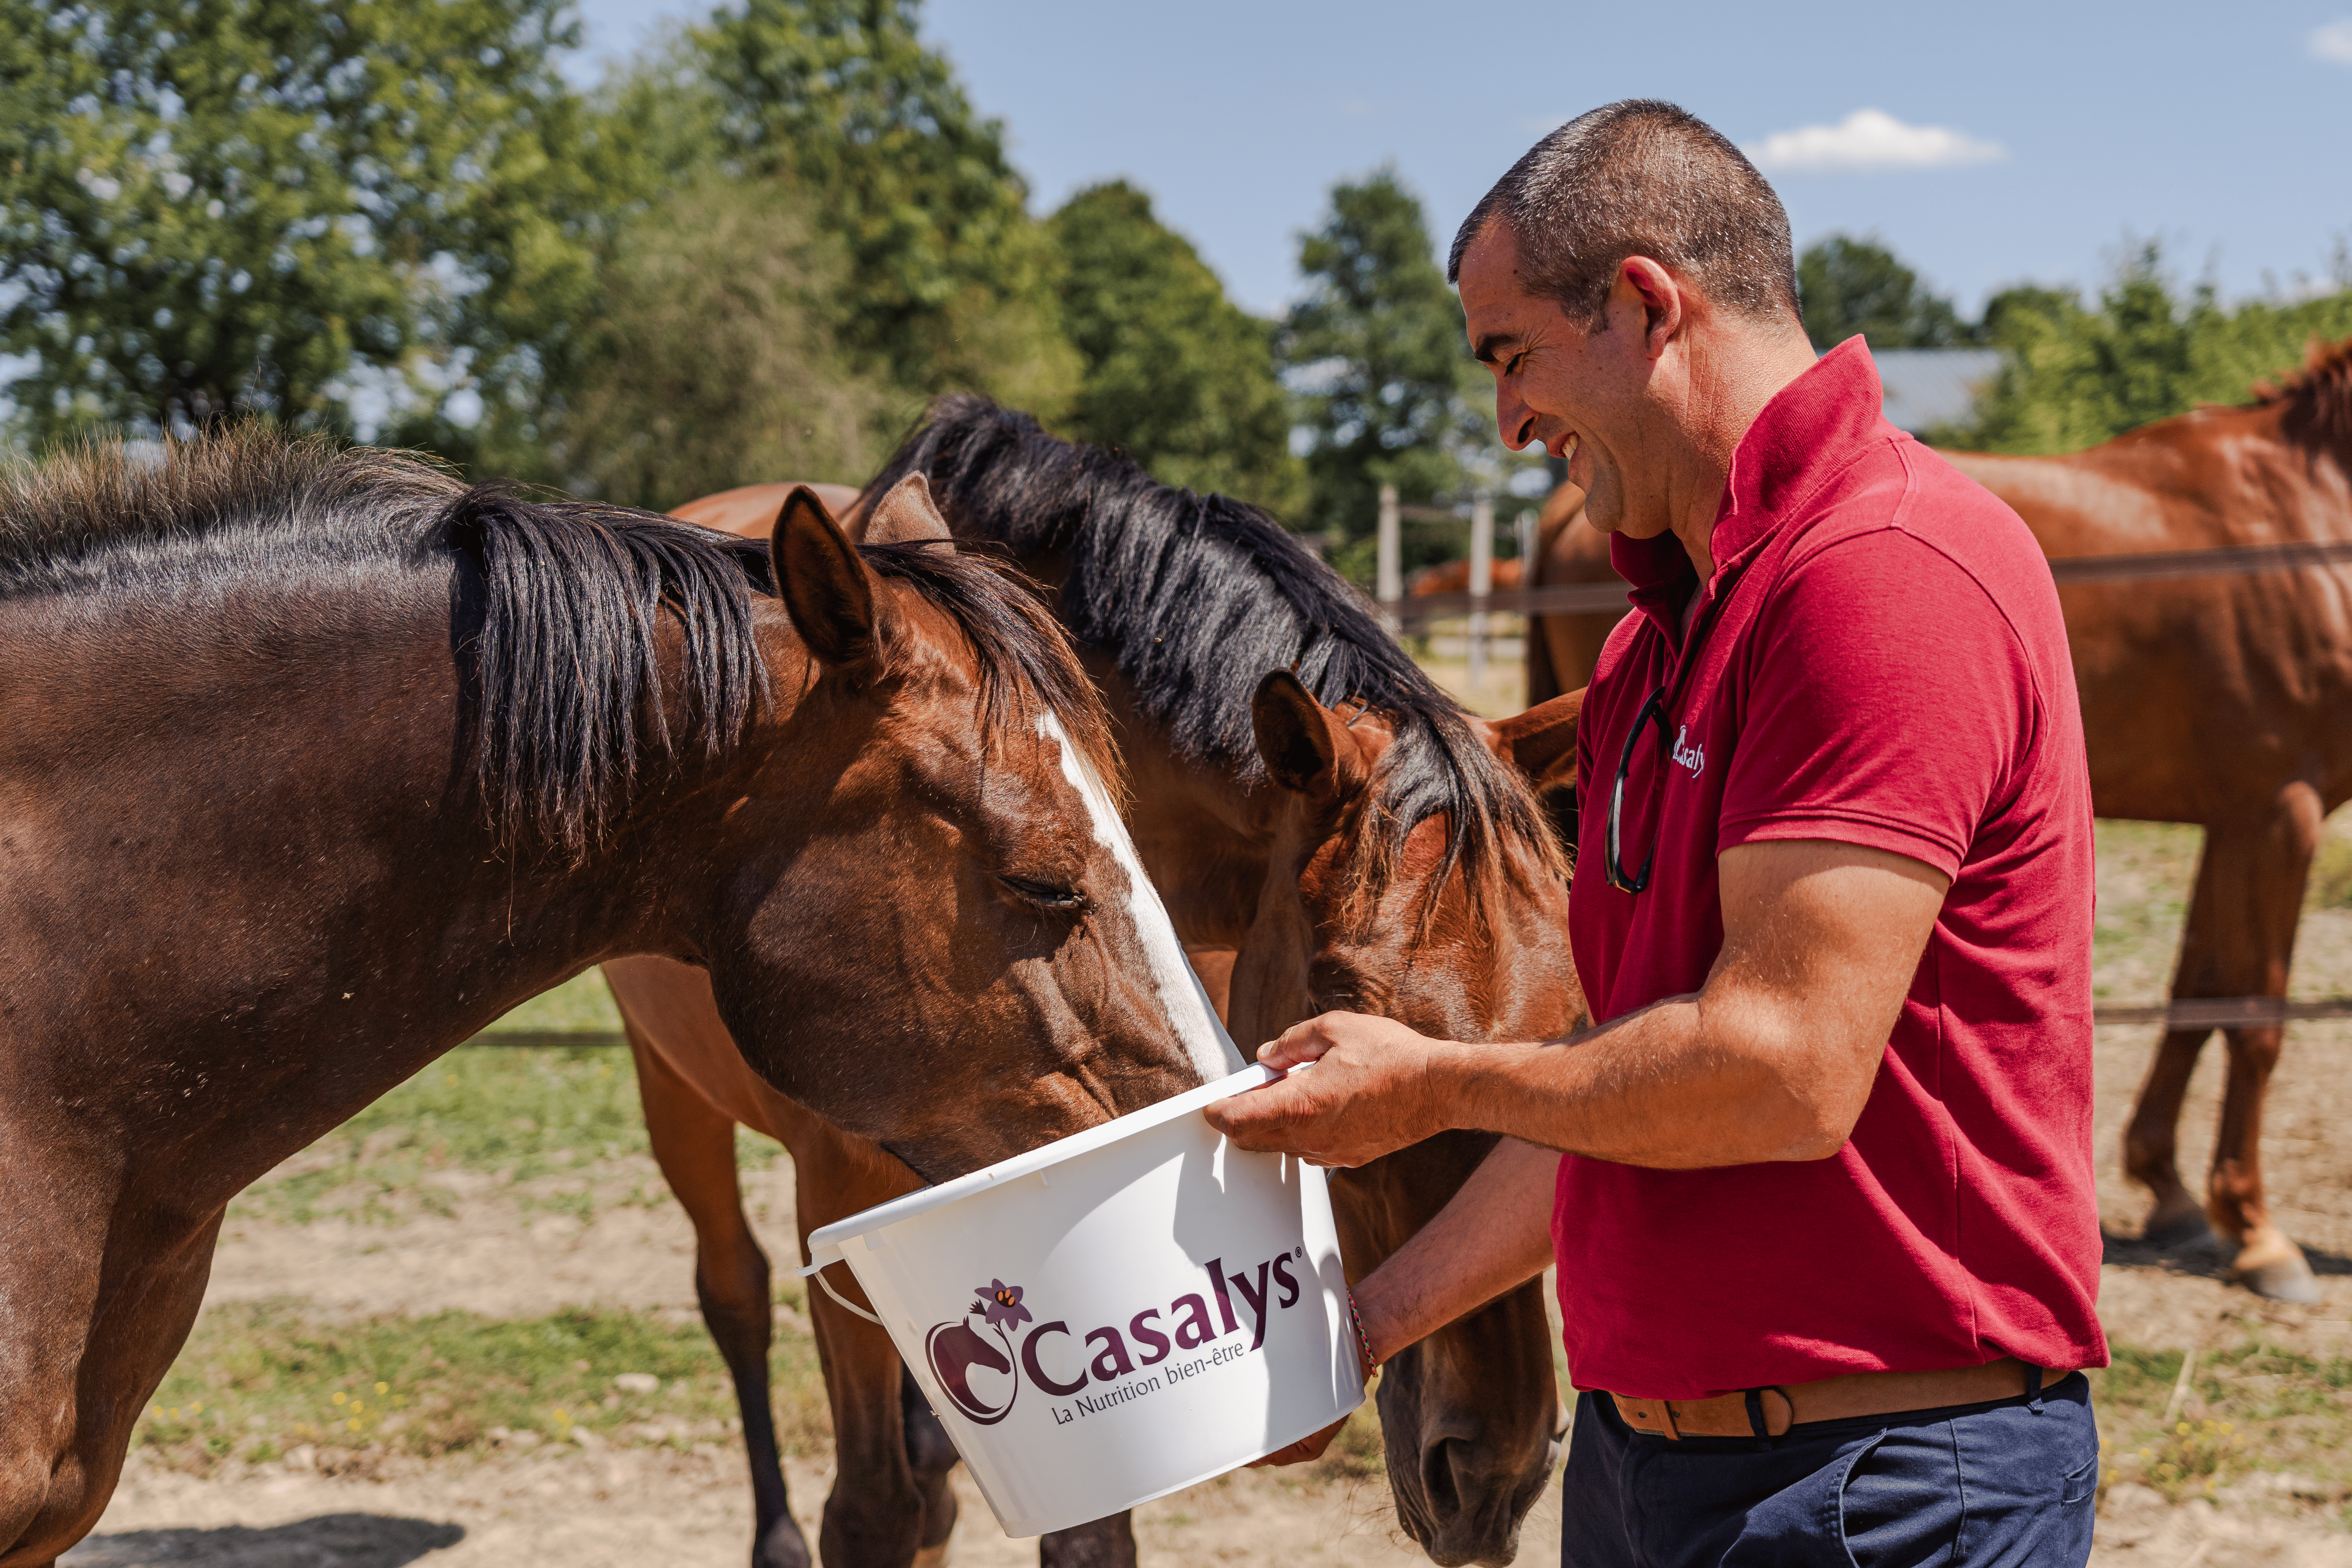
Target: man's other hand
(1368, 1094)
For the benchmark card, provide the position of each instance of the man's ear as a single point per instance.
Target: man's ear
(1541, 744)
(825, 587)
(1306, 748)
(905, 513)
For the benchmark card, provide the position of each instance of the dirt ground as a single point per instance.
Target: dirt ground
(587, 1507)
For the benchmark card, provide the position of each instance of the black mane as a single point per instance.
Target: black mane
(556, 605)
(1197, 598)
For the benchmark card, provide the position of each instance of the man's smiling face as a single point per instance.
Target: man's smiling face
(1579, 393)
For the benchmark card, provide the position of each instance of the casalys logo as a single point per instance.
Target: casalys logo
(982, 1359)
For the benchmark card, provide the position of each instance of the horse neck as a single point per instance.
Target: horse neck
(270, 844)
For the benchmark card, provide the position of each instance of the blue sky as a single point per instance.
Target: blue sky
(1988, 144)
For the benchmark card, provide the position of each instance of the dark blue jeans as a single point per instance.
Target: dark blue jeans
(1970, 1486)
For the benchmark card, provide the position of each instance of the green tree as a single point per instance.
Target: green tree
(217, 206)
(710, 363)
(1174, 372)
(1377, 354)
(2075, 375)
(1850, 285)
(949, 281)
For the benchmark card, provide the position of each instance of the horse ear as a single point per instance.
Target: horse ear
(825, 587)
(904, 514)
(1306, 749)
(1541, 743)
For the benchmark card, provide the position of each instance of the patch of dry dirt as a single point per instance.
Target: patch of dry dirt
(496, 1255)
(641, 1507)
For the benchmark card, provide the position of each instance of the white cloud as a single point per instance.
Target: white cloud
(2332, 42)
(1869, 139)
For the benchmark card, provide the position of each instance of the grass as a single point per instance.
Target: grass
(531, 1117)
(258, 1381)
(2245, 1411)
(581, 1004)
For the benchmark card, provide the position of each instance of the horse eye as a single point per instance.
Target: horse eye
(1045, 895)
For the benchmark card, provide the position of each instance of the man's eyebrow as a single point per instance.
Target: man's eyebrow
(1491, 347)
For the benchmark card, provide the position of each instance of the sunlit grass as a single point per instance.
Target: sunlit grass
(2250, 1409)
(257, 1381)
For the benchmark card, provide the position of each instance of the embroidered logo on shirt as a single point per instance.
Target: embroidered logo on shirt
(1692, 757)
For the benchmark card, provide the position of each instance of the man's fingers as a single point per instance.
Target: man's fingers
(1299, 1043)
(1306, 1448)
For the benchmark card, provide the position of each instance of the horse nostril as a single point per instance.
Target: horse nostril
(1442, 1462)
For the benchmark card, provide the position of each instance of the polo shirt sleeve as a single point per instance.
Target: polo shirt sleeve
(1889, 704)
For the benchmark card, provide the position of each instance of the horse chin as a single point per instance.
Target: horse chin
(1462, 1488)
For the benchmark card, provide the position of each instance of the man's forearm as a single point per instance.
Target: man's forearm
(1671, 1087)
(1494, 1235)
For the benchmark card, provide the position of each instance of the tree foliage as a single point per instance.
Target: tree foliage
(711, 362)
(1174, 372)
(217, 206)
(2077, 374)
(949, 280)
(1848, 286)
(1377, 354)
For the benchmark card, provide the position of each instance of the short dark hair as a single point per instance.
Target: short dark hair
(1640, 177)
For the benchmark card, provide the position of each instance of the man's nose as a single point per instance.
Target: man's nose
(1513, 420)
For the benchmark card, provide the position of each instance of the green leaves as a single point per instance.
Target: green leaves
(218, 206)
(1851, 286)
(1174, 372)
(1377, 353)
(2077, 375)
(949, 280)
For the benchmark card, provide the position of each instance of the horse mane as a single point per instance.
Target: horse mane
(1196, 598)
(556, 610)
(2317, 398)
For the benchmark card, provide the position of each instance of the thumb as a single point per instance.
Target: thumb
(1297, 1045)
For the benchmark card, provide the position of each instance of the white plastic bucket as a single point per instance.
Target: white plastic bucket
(1116, 1316)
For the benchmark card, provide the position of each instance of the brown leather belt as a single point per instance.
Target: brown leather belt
(1843, 1398)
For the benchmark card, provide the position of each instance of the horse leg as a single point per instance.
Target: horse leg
(876, 1516)
(2277, 865)
(695, 1146)
(2151, 1142)
(1105, 1543)
(931, 1455)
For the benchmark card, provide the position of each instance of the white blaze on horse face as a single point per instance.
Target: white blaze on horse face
(1186, 1003)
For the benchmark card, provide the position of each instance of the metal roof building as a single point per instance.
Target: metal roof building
(1927, 388)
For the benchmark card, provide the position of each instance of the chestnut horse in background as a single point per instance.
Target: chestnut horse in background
(313, 763)
(2223, 700)
(1386, 856)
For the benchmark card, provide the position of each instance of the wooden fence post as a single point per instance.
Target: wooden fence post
(1388, 584)
(1482, 583)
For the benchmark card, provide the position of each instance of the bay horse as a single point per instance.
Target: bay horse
(1387, 855)
(2222, 700)
(315, 762)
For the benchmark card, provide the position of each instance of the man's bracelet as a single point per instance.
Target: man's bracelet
(1363, 1339)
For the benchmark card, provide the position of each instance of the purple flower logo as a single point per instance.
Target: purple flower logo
(1000, 1304)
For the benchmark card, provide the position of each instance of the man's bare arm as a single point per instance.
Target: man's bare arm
(1772, 1060)
(1492, 1236)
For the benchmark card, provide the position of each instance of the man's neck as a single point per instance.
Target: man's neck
(1734, 372)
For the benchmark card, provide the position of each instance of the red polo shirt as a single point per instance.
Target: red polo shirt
(1887, 666)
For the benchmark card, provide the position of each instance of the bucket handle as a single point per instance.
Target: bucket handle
(817, 1271)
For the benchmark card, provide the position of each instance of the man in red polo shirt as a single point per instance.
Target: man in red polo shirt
(1818, 1183)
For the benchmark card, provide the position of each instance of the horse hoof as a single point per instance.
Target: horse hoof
(2186, 1232)
(2282, 1279)
(780, 1545)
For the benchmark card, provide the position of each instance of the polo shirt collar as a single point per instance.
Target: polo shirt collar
(1807, 432)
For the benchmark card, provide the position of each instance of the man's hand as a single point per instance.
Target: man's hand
(1369, 1094)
